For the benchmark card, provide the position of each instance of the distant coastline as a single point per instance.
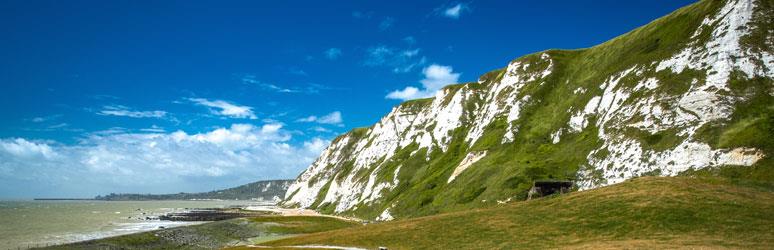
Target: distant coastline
(64, 199)
(259, 191)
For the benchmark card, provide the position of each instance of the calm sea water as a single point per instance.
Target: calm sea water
(29, 223)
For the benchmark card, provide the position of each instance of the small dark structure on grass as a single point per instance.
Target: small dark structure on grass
(542, 188)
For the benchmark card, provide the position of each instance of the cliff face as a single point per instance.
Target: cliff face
(692, 91)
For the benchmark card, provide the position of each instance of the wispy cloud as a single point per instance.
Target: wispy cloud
(410, 40)
(119, 110)
(453, 11)
(153, 129)
(378, 55)
(224, 108)
(362, 15)
(308, 88)
(250, 79)
(278, 88)
(105, 97)
(386, 23)
(436, 77)
(332, 53)
(333, 118)
(320, 129)
(400, 60)
(50, 123)
(58, 126)
(314, 88)
(297, 71)
(40, 119)
(410, 53)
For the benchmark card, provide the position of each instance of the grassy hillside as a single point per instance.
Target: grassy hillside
(647, 212)
(609, 149)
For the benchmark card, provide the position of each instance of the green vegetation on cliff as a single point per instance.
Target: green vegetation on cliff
(596, 116)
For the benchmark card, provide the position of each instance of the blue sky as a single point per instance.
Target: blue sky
(171, 96)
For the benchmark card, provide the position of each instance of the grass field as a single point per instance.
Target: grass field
(647, 212)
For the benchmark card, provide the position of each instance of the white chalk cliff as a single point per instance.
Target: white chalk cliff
(651, 101)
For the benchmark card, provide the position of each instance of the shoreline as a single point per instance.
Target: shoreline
(168, 220)
(261, 226)
(27, 223)
(198, 218)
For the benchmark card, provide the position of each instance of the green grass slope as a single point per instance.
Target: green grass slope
(647, 212)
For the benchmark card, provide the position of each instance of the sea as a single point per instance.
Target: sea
(28, 224)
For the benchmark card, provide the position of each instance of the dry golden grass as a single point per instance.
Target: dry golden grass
(644, 213)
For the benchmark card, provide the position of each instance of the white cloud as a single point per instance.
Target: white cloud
(332, 118)
(225, 108)
(332, 53)
(118, 110)
(311, 118)
(436, 77)
(316, 145)
(410, 53)
(155, 162)
(153, 129)
(20, 147)
(455, 11)
(320, 129)
(271, 128)
(406, 94)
